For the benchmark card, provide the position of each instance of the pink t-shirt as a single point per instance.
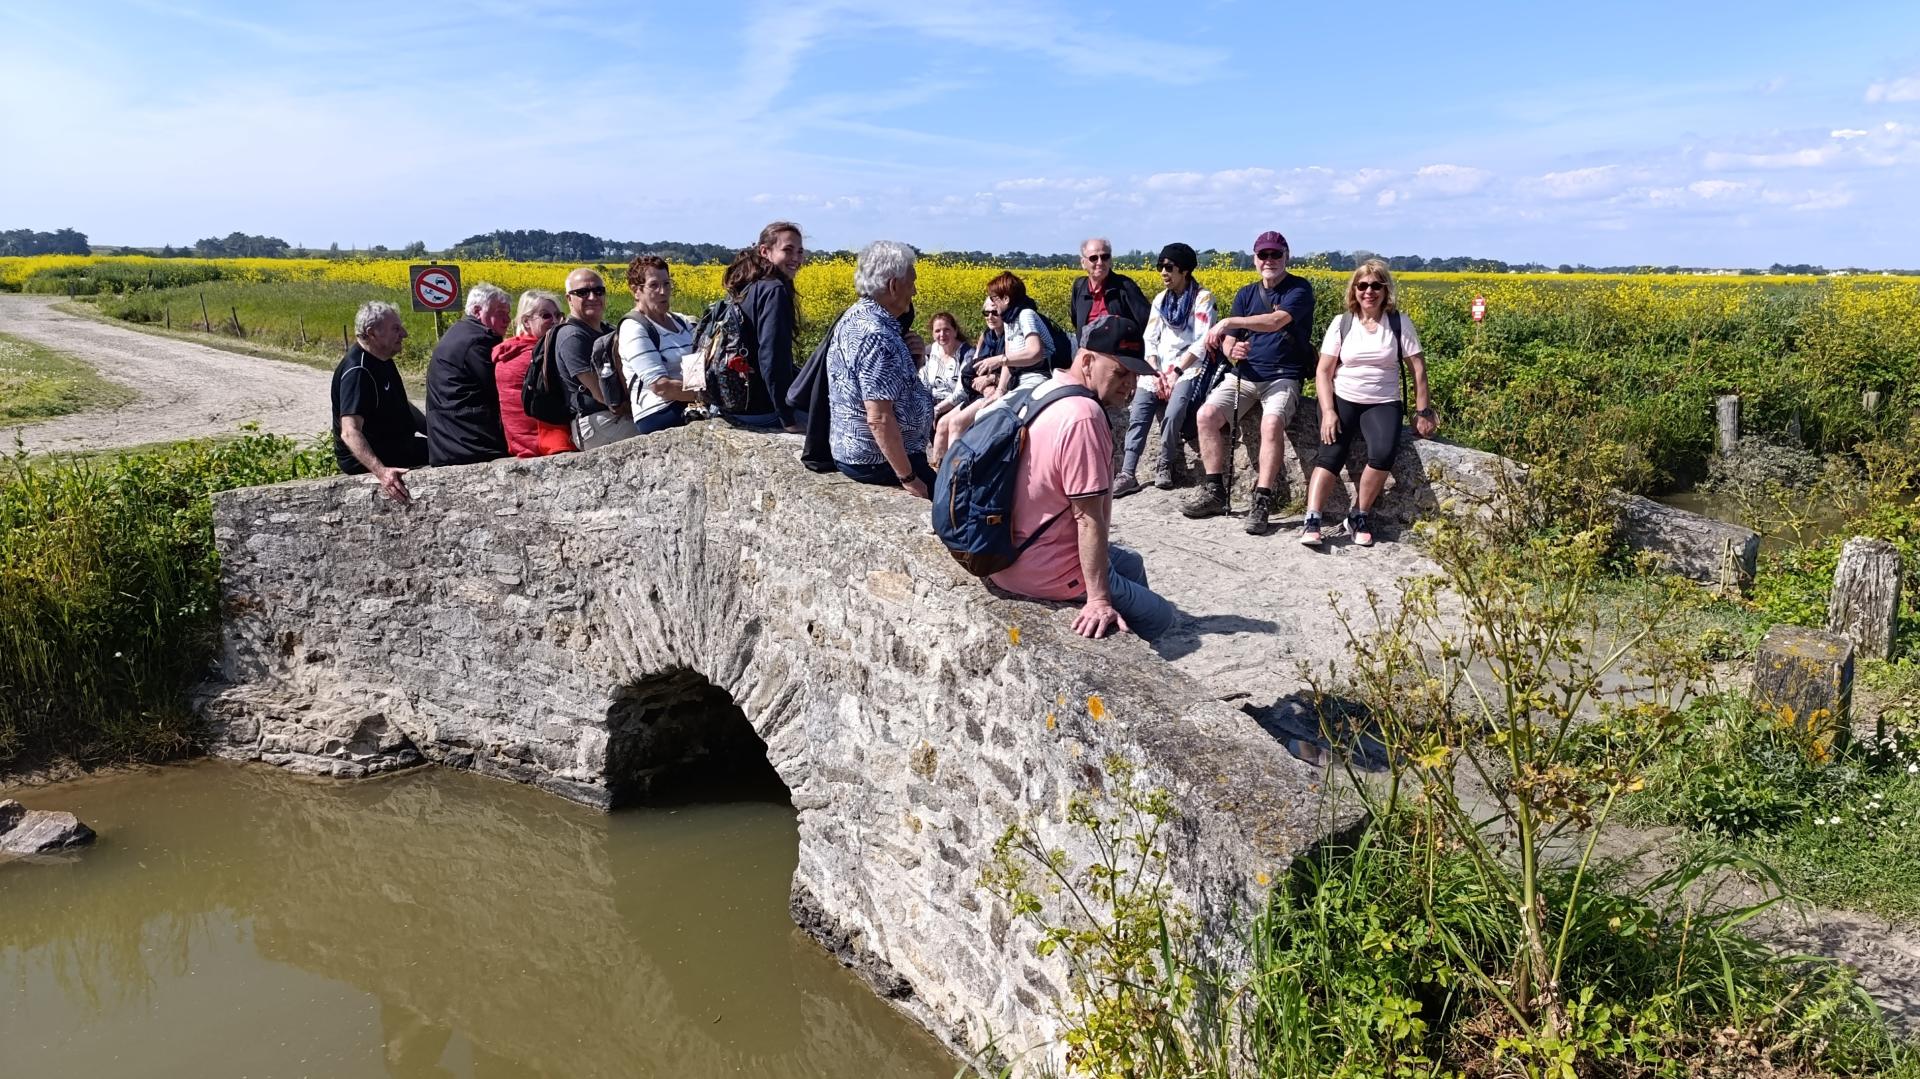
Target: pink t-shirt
(1069, 454)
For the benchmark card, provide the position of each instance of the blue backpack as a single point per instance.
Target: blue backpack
(973, 494)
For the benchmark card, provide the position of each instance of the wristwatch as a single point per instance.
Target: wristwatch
(1425, 413)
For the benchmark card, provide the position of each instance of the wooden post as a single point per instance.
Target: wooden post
(237, 331)
(169, 316)
(346, 340)
(206, 320)
(1870, 402)
(1727, 414)
(303, 331)
(1866, 595)
(437, 330)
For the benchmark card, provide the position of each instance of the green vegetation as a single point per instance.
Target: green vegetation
(109, 592)
(37, 382)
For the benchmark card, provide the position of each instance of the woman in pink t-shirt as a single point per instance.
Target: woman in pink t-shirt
(1358, 385)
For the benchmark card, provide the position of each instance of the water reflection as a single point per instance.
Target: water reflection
(239, 921)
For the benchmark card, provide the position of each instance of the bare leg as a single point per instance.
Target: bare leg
(1317, 488)
(1213, 438)
(1372, 482)
(1273, 445)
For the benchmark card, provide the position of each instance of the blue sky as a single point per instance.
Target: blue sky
(1706, 133)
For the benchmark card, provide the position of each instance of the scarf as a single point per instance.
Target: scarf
(1177, 311)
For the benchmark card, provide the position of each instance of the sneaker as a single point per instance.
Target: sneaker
(1209, 501)
(1360, 529)
(1163, 476)
(1257, 515)
(1310, 530)
(1124, 484)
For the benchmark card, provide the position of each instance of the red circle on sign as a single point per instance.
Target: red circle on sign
(435, 288)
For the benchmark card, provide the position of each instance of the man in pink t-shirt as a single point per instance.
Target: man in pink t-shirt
(1065, 476)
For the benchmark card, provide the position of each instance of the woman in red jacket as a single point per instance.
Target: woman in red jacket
(526, 436)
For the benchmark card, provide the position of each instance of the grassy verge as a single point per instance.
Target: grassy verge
(38, 383)
(109, 592)
(315, 358)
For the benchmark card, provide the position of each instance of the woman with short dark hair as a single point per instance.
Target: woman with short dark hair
(653, 338)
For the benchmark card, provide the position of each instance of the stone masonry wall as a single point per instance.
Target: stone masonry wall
(508, 621)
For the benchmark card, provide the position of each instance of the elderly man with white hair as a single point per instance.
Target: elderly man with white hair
(463, 405)
(376, 430)
(881, 413)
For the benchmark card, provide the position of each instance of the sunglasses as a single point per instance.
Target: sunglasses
(1108, 257)
(587, 291)
(1369, 286)
(1269, 256)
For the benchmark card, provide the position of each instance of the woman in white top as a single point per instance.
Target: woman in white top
(1358, 384)
(652, 340)
(1023, 366)
(1176, 339)
(947, 358)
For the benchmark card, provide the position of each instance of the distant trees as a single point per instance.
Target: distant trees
(539, 245)
(29, 242)
(240, 245)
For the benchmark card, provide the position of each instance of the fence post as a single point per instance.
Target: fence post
(1727, 415)
(205, 319)
(169, 316)
(237, 331)
(303, 331)
(1866, 595)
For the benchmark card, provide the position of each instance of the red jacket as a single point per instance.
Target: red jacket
(526, 436)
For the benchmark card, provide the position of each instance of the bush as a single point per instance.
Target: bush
(109, 591)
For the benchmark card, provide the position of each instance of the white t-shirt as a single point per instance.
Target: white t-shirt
(646, 364)
(1027, 324)
(1369, 371)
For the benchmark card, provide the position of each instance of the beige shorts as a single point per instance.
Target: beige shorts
(1277, 397)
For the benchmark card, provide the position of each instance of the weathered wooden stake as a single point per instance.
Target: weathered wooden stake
(1866, 595)
(206, 320)
(1727, 414)
(346, 341)
(169, 316)
(237, 331)
(303, 331)
(1870, 402)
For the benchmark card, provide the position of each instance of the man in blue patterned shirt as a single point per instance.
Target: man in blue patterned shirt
(881, 413)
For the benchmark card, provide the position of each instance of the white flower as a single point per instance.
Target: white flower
(1913, 768)
(116, 655)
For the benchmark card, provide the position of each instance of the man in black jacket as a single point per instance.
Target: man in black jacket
(1103, 292)
(463, 407)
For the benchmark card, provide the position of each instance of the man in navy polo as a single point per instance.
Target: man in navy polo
(1265, 338)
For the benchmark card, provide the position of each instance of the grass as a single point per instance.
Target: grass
(1841, 829)
(86, 308)
(109, 592)
(38, 383)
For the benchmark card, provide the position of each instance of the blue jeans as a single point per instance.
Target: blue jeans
(1181, 422)
(674, 415)
(881, 474)
(1148, 614)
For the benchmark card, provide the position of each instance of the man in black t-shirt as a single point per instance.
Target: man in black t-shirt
(376, 430)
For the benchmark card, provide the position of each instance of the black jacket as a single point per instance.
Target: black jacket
(463, 408)
(1123, 298)
(767, 305)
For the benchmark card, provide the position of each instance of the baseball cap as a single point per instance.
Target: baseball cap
(1270, 241)
(1180, 255)
(1119, 337)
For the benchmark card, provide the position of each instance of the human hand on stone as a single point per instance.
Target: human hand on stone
(393, 482)
(1097, 619)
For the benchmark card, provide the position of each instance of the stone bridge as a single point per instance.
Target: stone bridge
(597, 624)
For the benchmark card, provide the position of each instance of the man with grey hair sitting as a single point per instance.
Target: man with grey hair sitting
(463, 404)
(376, 430)
(881, 413)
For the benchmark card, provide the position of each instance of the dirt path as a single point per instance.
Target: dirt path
(186, 390)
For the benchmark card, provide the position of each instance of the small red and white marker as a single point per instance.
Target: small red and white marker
(1479, 309)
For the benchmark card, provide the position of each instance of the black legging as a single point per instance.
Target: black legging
(1380, 424)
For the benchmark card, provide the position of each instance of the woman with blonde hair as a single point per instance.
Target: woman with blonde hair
(539, 312)
(1363, 360)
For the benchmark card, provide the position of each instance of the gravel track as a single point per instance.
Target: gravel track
(186, 390)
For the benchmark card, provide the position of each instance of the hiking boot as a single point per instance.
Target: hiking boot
(1163, 476)
(1310, 530)
(1124, 484)
(1209, 501)
(1262, 508)
(1360, 528)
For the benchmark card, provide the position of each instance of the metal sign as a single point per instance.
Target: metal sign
(1479, 309)
(434, 288)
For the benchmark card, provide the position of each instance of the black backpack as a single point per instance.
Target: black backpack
(543, 393)
(1063, 346)
(720, 339)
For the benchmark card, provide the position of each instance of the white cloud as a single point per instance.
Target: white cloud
(1580, 183)
(1893, 90)
(1450, 181)
(1717, 189)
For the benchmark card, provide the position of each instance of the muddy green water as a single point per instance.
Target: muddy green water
(241, 922)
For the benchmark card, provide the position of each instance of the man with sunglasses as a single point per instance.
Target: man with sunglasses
(1265, 338)
(1103, 292)
(598, 418)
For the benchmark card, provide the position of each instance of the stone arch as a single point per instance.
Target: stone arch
(675, 735)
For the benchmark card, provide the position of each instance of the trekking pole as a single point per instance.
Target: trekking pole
(1233, 427)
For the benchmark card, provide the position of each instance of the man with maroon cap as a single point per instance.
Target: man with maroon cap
(1066, 472)
(1265, 338)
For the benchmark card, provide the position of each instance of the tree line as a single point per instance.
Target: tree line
(19, 242)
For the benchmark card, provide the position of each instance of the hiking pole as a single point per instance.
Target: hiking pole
(1233, 427)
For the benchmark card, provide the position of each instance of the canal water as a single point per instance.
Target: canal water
(238, 921)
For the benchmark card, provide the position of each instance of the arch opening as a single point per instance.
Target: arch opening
(675, 738)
